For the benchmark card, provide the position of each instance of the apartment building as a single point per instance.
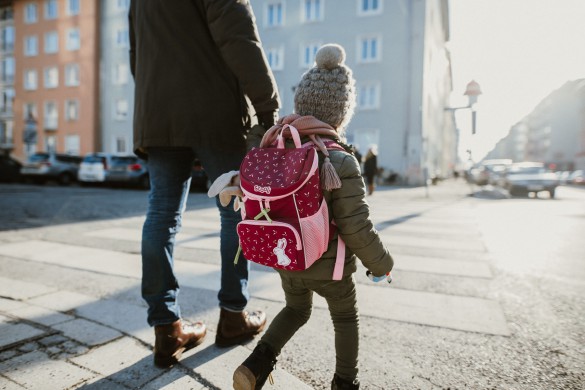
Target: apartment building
(397, 51)
(56, 106)
(553, 133)
(116, 84)
(7, 69)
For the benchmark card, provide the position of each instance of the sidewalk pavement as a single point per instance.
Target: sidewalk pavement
(71, 316)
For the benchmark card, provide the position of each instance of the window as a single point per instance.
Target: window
(7, 100)
(6, 13)
(51, 116)
(72, 7)
(29, 109)
(121, 38)
(72, 75)
(368, 96)
(274, 14)
(50, 143)
(7, 38)
(312, 10)
(72, 41)
(308, 54)
(275, 58)
(369, 7)
(120, 74)
(51, 42)
(31, 45)
(30, 13)
(370, 49)
(50, 9)
(122, 5)
(121, 109)
(7, 75)
(71, 110)
(30, 80)
(72, 144)
(120, 145)
(51, 77)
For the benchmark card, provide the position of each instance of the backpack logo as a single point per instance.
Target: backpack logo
(283, 259)
(260, 189)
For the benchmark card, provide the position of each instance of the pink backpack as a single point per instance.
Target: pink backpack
(285, 220)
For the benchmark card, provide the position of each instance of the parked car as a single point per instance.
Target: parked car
(9, 169)
(526, 177)
(199, 179)
(563, 177)
(93, 168)
(129, 170)
(490, 171)
(577, 177)
(51, 166)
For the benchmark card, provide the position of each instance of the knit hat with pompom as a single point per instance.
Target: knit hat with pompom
(327, 90)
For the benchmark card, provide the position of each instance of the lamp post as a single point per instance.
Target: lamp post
(472, 91)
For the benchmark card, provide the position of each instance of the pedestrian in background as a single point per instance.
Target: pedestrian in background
(371, 168)
(324, 103)
(194, 63)
(358, 155)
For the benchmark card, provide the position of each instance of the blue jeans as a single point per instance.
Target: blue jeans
(170, 179)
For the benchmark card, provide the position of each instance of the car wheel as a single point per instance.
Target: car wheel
(552, 193)
(65, 179)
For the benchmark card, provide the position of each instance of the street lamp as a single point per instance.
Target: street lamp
(472, 91)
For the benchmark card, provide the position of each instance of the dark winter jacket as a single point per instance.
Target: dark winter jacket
(193, 62)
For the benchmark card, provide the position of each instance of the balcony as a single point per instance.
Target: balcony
(51, 124)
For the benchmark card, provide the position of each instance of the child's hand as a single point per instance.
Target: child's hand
(377, 279)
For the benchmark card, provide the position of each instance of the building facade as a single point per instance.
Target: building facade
(553, 133)
(397, 52)
(116, 84)
(56, 79)
(7, 70)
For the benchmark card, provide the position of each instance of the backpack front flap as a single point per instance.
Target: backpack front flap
(272, 173)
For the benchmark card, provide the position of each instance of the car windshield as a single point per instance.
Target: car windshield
(94, 159)
(526, 170)
(119, 160)
(39, 157)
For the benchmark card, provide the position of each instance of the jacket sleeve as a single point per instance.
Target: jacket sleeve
(233, 28)
(132, 39)
(352, 216)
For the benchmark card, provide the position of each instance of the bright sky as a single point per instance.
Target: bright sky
(518, 51)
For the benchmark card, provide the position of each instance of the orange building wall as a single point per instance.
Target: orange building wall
(87, 125)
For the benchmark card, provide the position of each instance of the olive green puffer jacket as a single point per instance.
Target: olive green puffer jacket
(351, 213)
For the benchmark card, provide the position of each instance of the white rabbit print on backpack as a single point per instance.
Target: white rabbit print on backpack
(279, 252)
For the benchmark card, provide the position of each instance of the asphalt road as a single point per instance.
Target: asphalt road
(521, 257)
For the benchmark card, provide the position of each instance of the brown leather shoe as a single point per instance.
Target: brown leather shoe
(236, 327)
(174, 339)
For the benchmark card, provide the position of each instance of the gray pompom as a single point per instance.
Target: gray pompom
(330, 56)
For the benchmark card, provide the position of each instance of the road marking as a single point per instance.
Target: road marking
(449, 311)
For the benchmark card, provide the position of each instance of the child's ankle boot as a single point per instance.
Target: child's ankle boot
(252, 374)
(341, 384)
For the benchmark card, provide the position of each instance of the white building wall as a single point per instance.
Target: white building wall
(413, 74)
(117, 92)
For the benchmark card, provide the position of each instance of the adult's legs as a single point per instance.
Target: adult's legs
(170, 177)
(233, 294)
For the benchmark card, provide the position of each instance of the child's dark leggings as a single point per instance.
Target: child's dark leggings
(341, 299)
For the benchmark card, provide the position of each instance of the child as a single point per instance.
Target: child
(327, 93)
